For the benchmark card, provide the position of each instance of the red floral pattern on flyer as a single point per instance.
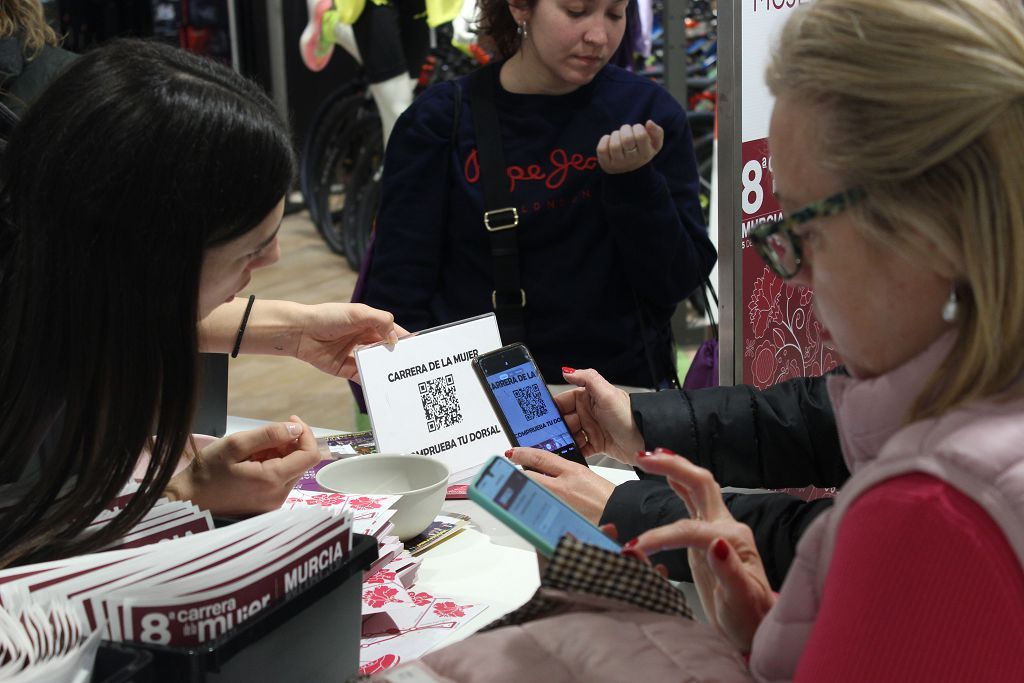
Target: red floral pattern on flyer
(379, 664)
(382, 576)
(363, 503)
(450, 609)
(380, 596)
(422, 598)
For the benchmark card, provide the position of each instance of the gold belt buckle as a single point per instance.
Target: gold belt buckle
(495, 228)
(494, 298)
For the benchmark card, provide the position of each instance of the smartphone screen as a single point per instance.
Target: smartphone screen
(519, 393)
(536, 508)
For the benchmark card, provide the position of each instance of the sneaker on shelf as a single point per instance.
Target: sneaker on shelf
(315, 45)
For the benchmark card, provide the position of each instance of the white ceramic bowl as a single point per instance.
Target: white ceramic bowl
(421, 481)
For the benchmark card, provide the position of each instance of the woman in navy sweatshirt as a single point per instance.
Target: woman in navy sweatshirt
(601, 170)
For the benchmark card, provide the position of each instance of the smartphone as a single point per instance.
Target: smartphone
(523, 403)
(529, 509)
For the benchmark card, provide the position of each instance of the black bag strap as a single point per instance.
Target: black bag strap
(708, 289)
(501, 219)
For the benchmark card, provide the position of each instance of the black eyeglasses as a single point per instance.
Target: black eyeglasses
(780, 247)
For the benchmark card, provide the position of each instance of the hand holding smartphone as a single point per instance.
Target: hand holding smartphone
(529, 509)
(523, 403)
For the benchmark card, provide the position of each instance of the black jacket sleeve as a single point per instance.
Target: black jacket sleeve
(777, 520)
(784, 436)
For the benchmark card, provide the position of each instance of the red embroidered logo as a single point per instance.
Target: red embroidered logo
(554, 178)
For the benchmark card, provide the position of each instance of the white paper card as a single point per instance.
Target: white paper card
(424, 397)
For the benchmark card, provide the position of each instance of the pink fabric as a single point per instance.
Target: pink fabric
(906, 569)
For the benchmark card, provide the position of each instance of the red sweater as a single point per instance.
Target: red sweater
(922, 586)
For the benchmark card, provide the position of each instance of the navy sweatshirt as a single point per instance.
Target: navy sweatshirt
(591, 245)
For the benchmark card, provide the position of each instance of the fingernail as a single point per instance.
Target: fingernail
(508, 453)
(666, 451)
(644, 454)
(721, 549)
(632, 552)
(629, 545)
(567, 370)
(293, 429)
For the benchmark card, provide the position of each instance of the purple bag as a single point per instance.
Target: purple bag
(703, 372)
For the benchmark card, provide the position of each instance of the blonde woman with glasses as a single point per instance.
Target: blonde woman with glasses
(897, 141)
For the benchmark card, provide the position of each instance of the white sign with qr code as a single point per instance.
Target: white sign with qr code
(424, 397)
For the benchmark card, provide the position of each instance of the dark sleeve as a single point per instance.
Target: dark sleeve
(784, 436)
(656, 217)
(410, 229)
(777, 520)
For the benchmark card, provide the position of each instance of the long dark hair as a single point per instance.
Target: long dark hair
(136, 159)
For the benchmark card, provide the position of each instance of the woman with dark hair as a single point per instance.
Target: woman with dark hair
(137, 194)
(601, 171)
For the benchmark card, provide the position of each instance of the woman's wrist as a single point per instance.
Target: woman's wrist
(273, 328)
(179, 487)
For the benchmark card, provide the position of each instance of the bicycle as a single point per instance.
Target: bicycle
(342, 155)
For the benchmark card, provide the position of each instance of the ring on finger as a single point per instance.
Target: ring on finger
(586, 437)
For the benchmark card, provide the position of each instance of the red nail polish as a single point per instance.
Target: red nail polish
(629, 545)
(644, 454)
(508, 453)
(632, 552)
(666, 451)
(566, 370)
(721, 549)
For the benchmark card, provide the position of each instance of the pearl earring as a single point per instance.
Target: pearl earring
(950, 307)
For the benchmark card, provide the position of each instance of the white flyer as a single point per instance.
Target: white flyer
(424, 397)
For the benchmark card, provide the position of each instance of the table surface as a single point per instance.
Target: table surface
(486, 562)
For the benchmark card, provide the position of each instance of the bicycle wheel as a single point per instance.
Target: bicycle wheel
(333, 185)
(361, 213)
(338, 107)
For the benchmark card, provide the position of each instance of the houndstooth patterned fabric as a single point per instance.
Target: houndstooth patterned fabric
(580, 569)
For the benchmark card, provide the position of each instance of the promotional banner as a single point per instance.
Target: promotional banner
(780, 336)
(424, 397)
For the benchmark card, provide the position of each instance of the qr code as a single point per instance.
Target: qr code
(440, 403)
(530, 401)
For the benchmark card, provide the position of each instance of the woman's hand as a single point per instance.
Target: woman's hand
(332, 331)
(323, 335)
(574, 483)
(598, 416)
(248, 472)
(726, 566)
(629, 147)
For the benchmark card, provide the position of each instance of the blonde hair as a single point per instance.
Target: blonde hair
(923, 104)
(25, 17)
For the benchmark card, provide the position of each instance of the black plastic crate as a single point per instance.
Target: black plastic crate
(312, 636)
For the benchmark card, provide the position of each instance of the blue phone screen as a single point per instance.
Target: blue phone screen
(529, 409)
(536, 507)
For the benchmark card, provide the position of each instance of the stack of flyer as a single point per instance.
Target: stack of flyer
(192, 589)
(46, 643)
(165, 521)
